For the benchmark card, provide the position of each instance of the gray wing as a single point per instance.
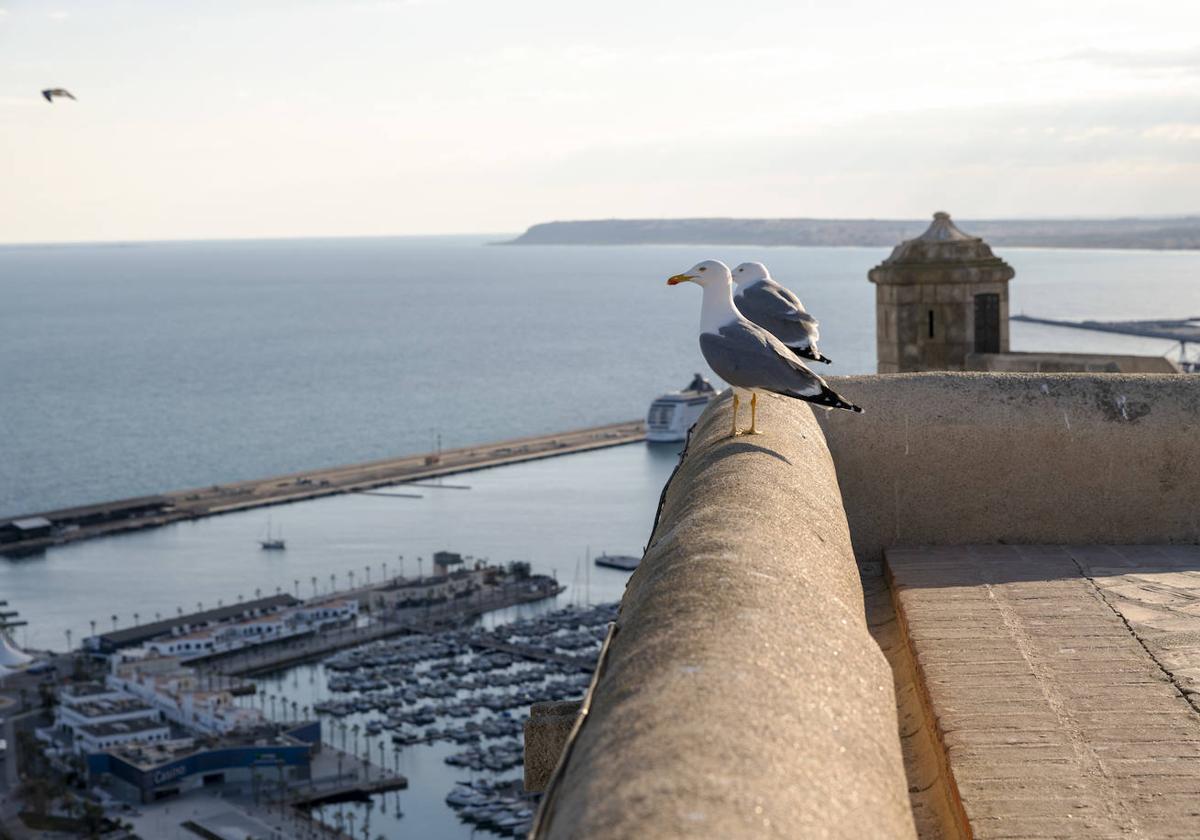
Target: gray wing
(747, 356)
(778, 310)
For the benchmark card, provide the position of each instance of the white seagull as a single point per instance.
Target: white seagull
(776, 309)
(744, 354)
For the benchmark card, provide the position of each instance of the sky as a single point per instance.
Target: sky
(248, 119)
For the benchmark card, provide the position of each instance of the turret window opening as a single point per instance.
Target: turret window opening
(931, 323)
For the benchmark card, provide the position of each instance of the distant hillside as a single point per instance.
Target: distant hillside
(1152, 233)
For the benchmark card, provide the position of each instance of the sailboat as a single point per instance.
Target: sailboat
(273, 543)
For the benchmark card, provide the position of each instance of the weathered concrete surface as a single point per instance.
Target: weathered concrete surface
(546, 733)
(958, 458)
(1044, 676)
(742, 695)
(1048, 362)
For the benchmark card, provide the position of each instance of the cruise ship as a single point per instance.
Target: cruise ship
(672, 414)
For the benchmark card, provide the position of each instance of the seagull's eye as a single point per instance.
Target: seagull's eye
(704, 268)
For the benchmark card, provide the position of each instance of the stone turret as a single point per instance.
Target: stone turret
(938, 298)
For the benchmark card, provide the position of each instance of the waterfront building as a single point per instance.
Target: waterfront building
(184, 624)
(311, 617)
(446, 562)
(95, 717)
(181, 695)
(252, 762)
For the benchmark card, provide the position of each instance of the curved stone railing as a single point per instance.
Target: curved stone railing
(741, 694)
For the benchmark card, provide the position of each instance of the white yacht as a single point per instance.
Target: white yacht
(672, 414)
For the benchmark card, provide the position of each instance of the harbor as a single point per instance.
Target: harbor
(30, 533)
(470, 676)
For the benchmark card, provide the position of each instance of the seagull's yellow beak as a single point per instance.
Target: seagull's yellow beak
(679, 278)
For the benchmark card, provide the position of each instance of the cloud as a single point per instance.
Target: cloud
(1174, 132)
(1172, 61)
(59, 15)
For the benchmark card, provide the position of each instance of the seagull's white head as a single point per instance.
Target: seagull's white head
(750, 272)
(707, 273)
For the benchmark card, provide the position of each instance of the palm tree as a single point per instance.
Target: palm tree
(68, 632)
(114, 621)
(136, 619)
(355, 730)
(297, 583)
(332, 582)
(367, 569)
(314, 583)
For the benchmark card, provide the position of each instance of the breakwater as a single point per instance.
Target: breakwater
(35, 532)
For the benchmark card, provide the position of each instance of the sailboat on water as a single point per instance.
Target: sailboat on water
(273, 543)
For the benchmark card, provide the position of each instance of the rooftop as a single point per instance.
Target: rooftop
(107, 708)
(942, 244)
(144, 632)
(123, 727)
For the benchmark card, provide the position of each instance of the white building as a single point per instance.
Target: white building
(180, 695)
(98, 717)
(220, 638)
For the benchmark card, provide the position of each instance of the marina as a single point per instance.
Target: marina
(439, 696)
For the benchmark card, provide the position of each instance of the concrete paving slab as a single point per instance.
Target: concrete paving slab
(1060, 683)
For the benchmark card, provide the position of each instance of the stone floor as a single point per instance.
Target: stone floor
(1061, 683)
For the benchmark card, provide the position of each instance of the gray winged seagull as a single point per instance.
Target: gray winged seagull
(50, 93)
(776, 309)
(744, 354)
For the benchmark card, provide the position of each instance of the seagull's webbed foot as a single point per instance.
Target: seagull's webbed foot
(753, 430)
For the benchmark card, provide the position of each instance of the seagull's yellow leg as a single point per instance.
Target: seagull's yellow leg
(736, 402)
(753, 430)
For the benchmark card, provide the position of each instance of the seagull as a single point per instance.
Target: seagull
(744, 354)
(777, 310)
(50, 93)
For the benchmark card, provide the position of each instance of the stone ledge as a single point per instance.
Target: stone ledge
(743, 695)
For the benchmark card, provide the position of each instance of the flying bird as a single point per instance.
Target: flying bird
(744, 354)
(50, 93)
(776, 309)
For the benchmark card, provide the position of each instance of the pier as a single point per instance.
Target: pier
(35, 532)
(266, 658)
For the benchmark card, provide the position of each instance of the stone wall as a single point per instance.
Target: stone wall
(742, 695)
(1050, 362)
(960, 458)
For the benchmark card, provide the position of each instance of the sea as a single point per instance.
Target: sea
(129, 369)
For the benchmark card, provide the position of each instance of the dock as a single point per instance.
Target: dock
(355, 791)
(31, 533)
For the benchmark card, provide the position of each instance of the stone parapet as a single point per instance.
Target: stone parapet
(961, 458)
